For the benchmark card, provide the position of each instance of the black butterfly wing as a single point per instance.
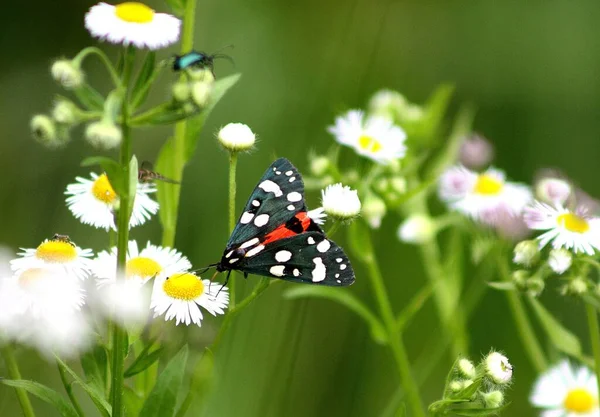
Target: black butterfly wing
(278, 196)
(307, 257)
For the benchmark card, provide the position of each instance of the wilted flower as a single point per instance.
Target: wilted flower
(476, 152)
(236, 137)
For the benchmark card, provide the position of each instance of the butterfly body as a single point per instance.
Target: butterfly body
(276, 236)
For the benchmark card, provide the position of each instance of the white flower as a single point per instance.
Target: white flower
(572, 230)
(94, 202)
(498, 368)
(553, 190)
(141, 265)
(563, 391)
(560, 260)
(318, 215)
(486, 197)
(376, 137)
(236, 137)
(132, 23)
(57, 253)
(181, 295)
(340, 202)
(417, 228)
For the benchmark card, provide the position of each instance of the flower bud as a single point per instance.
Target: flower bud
(417, 228)
(201, 93)
(493, 399)
(535, 285)
(387, 103)
(374, 209)
(44, 131)
(577, 286)
(319, 165)
(466, 368)
(202, 75)
(476, 152)
(526, 253)
(456, 385)
(520, 278)
(236, 137)
(340, 202)
(103, 134)
(65, 112)
(181, 91)
(398, 184)
(67, 74)
(553, 190)
(560, 260)
(498, 368)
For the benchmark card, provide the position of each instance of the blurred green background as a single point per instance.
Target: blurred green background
(531, 68)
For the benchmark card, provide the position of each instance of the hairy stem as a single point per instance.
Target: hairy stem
(232, 169)
(594, 327)
(13, 372)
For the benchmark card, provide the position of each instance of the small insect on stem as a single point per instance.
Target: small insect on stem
(199, 60)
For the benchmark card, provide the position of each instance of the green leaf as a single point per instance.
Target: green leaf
(468, 392)
(196, 123)
(413, 306)
(163, 115)
(133, 401)
(89, 97)
(45, 394)
(435, 109)
(97, 397)
(344, 297)
(562, 338)
(166, 194)
(139, 88)
(502, 285)
(161, 401)
(143, 361)
(133, 182)
(479, 411)
(177, 7)
(359, 239)
(94, 363)
(202, 380)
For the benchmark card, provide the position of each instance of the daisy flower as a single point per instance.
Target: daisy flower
(132, 23)
(574, 230)
(93, 201)
(59, 254)
(375, 137)
(181, 295)
(565, 392)
(485, 197)
(340, 202)
(141, 265)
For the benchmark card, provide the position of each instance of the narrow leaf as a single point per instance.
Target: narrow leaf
(502, 285)
(177, 7)
(89, 97)
(94, 363)
(161, 401)
(143, 362)
(166, 193)
(413, 307)
(133, 182)
(144, 75)
(133, 401)
(562, 338)
(45, 394)
(345, 298)
(98, 398)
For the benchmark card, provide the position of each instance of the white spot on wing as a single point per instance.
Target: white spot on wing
(283, 256)
(343, 266)
(288, 173)
(278, 172)
(323, 246)
(296, 272)
(319, 272)
(269, 186)
(291, 207)
(337, 275)
(294, 196)
(261, 220)
(310, 240)
(249, 243)
(292, 179)
(277, 270)
(255, 203)
(246, 217)
(229, 254)
(234, 260)
(338, 281)
(254, 251)
(338, 260)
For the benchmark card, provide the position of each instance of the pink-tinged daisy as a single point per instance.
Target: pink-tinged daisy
(563, 391)
(574, 230)
(181, 295)
(94, 201)
(374, 137)
(132, 23)
(486, 197)
(59, 254)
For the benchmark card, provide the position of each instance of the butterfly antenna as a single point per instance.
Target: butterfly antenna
(225, 57)
(223, 48)
(225, 284)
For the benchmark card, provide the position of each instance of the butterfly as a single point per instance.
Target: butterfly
(146, 174)
(276, 236)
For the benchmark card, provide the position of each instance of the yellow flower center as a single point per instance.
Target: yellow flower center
(184, 286)
(103, 191)
(488, 185)
(31, 276)
(579, 400)
(369, 143)
(55, 251)
(142, 267)
(573, 223)
(134, 12)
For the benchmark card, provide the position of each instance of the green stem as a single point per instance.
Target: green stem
(69, 389)
(232, 169)
(13, 372)
(592, 318)
(178, 162)
(395, 338)
(119, 333)
(526, 333)
(97, 51)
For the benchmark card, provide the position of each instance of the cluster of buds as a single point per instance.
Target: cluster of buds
(478, 388)
(193, 91)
